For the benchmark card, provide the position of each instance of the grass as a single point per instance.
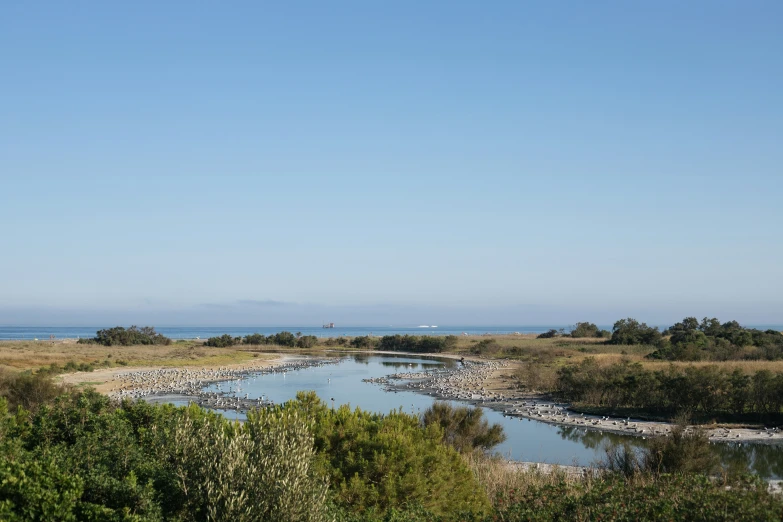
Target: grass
(32, 355)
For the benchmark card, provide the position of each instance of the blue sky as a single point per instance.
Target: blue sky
(405, 162)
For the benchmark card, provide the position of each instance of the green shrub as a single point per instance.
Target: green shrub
(28, 390)
(672, 498)
(259, 471)
(549, 334)
(585, 330)
(363, 341)
(376, 463)
(416, 344)
(306, 341)
(485, 347)
(631, 331)
(464, 428)
(254, 339)
(119, 336)
(223, 341)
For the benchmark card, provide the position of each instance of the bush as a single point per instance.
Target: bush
(261, 470)
(705, 390)
(549, 334)
(306, 341)
(336, 341)
(464, 428)
(363, 341)
(223, 341)
(710, 340)
(30, 391)
(119, 336)
(416, 344)
(282, 339)
(612, 497)
(485, 347)
(685, 450)
(376, 463)
(585, 330)
(630, 331)
(254, 339)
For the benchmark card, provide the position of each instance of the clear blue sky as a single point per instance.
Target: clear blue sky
(386, 163)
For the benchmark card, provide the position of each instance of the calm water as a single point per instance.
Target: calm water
(203, 332)
(528, 440)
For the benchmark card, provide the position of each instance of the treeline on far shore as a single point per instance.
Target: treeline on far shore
(390, 343)
(687, 340)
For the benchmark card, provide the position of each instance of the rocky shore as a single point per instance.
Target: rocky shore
(471, 382)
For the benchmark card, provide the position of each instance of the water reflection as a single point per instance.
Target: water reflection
(527, 440)
(763, 460)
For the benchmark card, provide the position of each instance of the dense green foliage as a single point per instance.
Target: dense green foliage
(549, 334)
(222, 341)
(378, 462)
(279, 339)
(80, 457)
(306, 341)
(486, 347)
(691, 340)
(631, 331)
(417, 344)
(680, 497)
(364, 342)
(464, 428)
(586, 329)
(119, 336)
(707, 390)
(27, 390)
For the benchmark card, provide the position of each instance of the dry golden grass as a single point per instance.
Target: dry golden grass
(24, 355)
(746, 366)
(498, 476)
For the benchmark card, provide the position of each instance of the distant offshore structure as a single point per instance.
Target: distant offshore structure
(327, 325)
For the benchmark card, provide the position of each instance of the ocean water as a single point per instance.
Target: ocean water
(203, 332)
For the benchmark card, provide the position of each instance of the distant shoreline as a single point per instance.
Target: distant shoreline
(194, 333)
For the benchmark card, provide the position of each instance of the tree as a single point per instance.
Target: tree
(223, 341)
(549, 334)
(585, 330)
(464, 428)
(630, 331)
(688, 332)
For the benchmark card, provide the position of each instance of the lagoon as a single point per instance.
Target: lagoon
(527, 440)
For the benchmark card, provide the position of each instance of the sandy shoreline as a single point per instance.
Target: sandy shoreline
(112, 379)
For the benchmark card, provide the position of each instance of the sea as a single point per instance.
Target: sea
(8, 333)
(203, 332)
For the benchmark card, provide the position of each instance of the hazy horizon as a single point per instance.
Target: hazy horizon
(313, 315)
(446, 162)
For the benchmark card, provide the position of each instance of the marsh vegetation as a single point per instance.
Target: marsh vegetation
(75, 455)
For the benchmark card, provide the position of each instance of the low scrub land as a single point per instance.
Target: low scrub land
(69, 356)
(709, 370)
